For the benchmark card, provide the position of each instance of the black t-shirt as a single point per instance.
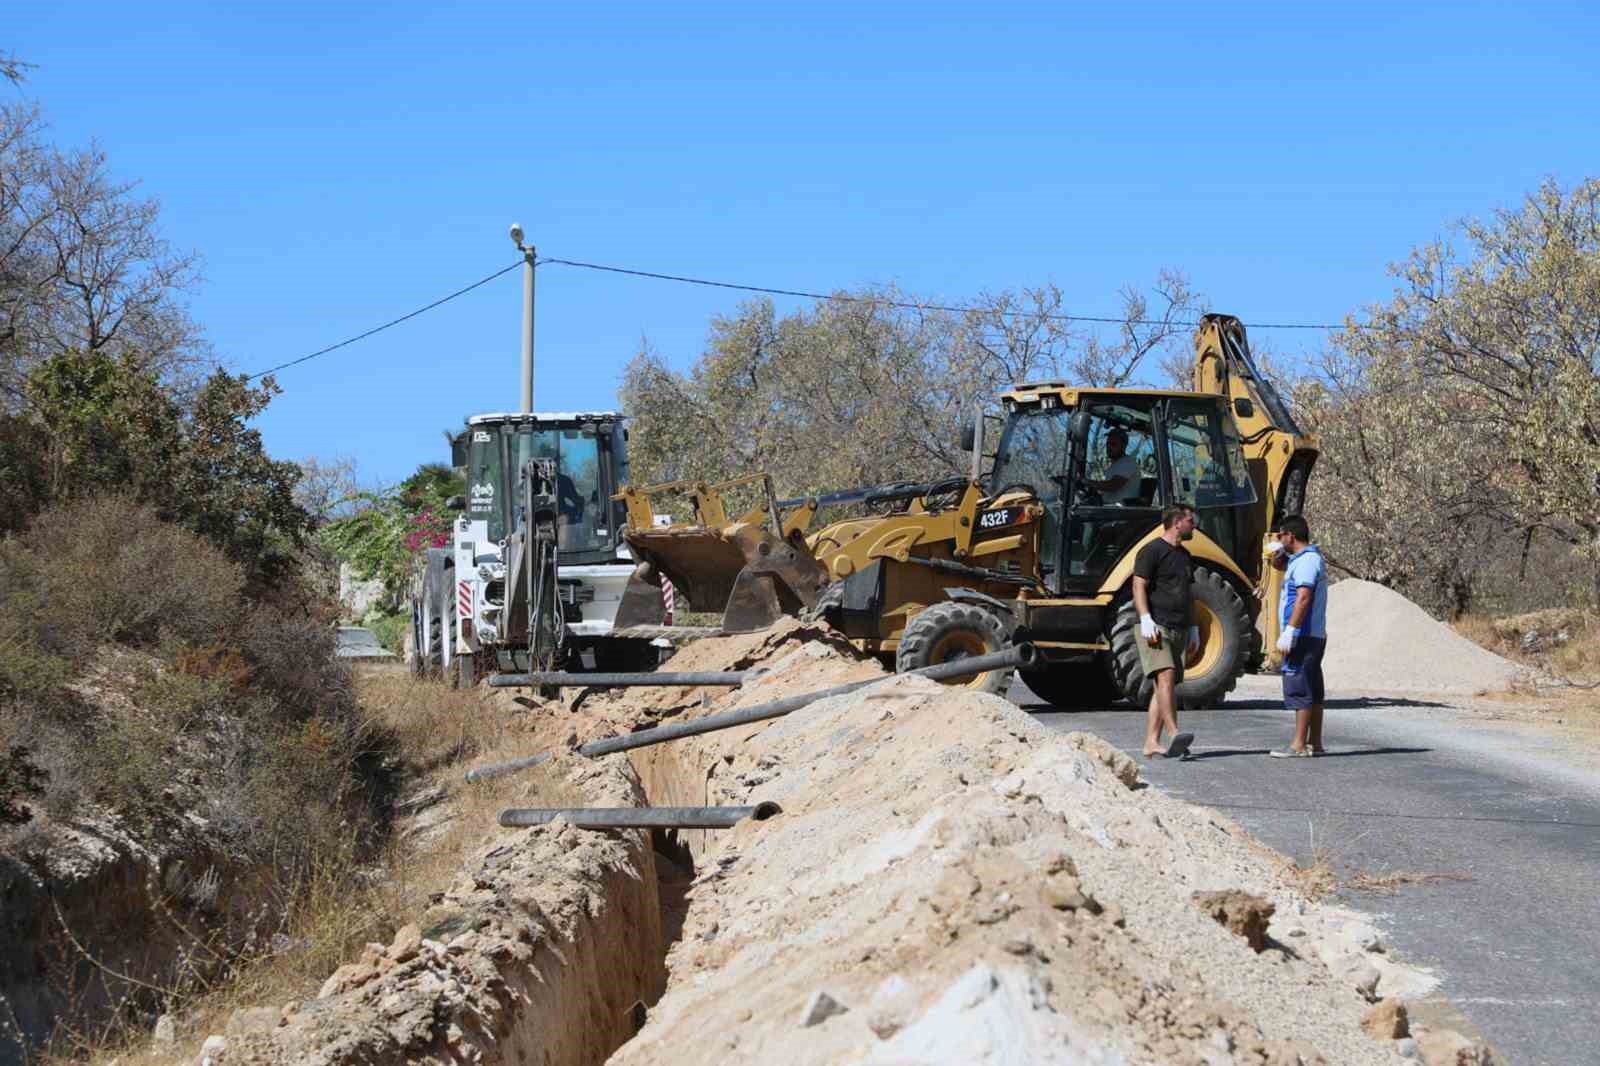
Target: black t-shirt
(1166, 568)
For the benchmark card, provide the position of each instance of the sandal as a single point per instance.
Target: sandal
(1178, 749)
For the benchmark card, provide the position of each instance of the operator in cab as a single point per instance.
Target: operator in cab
(1122, 474)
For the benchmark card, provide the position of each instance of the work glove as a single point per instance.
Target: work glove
(1274, 548)
(1287, 638)
(1147, 627)
(1194, 640)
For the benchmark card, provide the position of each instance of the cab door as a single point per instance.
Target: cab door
(1104, 523)
(1205, 467)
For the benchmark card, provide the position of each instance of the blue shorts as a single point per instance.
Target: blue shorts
(1302, 673)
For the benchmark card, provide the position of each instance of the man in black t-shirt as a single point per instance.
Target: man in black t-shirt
(1166, 636)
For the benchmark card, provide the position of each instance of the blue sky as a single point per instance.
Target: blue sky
(338, 165)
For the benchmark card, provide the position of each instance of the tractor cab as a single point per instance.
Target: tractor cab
(1104, 463)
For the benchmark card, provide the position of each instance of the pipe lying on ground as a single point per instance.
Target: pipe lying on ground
(640, 817)
(683, 679)
(1020, 656)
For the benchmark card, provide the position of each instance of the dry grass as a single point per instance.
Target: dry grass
(340, 906)
(1321, 877)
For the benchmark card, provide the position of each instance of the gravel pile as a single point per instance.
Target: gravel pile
(1379, 640)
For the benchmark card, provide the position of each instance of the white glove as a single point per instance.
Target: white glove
(1194, 640)
(1287, 638)
(1274, 548)
(1147, 627)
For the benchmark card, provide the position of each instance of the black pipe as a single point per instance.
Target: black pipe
(640, 817)
(663, 679)
(1020, 656)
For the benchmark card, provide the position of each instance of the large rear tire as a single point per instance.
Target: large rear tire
(1227, 636)
(946, 632)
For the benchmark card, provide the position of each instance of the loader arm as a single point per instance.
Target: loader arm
(1279, 453)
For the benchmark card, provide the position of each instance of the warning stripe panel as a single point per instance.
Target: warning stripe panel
(466, 597)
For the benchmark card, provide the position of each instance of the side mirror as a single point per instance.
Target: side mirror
(1079, 427)
(456, 503)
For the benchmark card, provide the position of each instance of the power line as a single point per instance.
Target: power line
(955, 309)
(773, 291)
(386, 325)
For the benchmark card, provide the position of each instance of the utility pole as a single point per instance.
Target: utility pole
(527, 317)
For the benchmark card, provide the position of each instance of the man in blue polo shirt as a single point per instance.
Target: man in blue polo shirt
(1303, 635)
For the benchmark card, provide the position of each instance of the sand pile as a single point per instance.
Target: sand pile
(1379, 640)
(949, 882)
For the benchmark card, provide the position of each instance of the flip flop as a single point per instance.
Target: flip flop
(1290, 753)
(1178, 749)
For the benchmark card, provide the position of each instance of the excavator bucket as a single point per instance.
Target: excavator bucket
(753, 569)
(751, 576)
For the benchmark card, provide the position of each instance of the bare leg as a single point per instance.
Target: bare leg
(1314, 731)
(1302, 728)
(1163, 712)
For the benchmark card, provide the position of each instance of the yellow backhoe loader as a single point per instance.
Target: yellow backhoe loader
(1039, 546)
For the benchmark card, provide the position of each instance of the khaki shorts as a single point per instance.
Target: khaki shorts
(1174, 643)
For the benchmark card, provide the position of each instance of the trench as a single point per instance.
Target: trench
(581, 997)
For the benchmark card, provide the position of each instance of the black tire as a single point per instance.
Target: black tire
(1075, 685)
(419, 654)
(1224, 652)
(625, 656)
(433, 665)
(946, 632)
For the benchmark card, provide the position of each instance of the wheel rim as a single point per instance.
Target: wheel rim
(1212, 639)
(957, 645)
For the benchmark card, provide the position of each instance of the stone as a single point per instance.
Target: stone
(407, 942)
(819, 1008)
(1446, 1047)
(350, 975)
(254, 1021)
(166, 1030)
(213, 1049)
(1359, 974)
(1407, 1048)
(1065, 893)
(1387, 1021)
(1240, 913)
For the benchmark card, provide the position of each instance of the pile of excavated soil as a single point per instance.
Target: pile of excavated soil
(949, 882)
(1379, 640)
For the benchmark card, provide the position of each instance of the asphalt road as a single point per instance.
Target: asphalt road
(1417, 784)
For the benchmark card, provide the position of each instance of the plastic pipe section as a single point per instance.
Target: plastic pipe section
(640, 817)
(1018, 656)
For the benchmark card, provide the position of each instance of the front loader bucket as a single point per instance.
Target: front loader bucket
(743, 570)
(641, 599)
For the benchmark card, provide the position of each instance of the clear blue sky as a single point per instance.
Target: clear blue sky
(338, 165)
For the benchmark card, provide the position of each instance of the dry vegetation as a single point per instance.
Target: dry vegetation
(343, 904)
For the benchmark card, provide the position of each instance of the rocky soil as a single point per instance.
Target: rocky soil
(947, 883)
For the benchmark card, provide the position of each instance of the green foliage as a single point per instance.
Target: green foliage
(390, 528)
(104, 423)
(1461, 420)
(388, 628)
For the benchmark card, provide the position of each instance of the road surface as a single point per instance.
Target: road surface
(1421, 784)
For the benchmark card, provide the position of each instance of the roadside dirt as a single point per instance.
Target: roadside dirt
(947, 882)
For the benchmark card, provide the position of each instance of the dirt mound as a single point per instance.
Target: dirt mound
(1379, 640)
(947, 882)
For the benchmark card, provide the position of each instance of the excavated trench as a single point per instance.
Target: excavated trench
(944, 874)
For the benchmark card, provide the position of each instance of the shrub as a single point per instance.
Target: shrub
(109, 569)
